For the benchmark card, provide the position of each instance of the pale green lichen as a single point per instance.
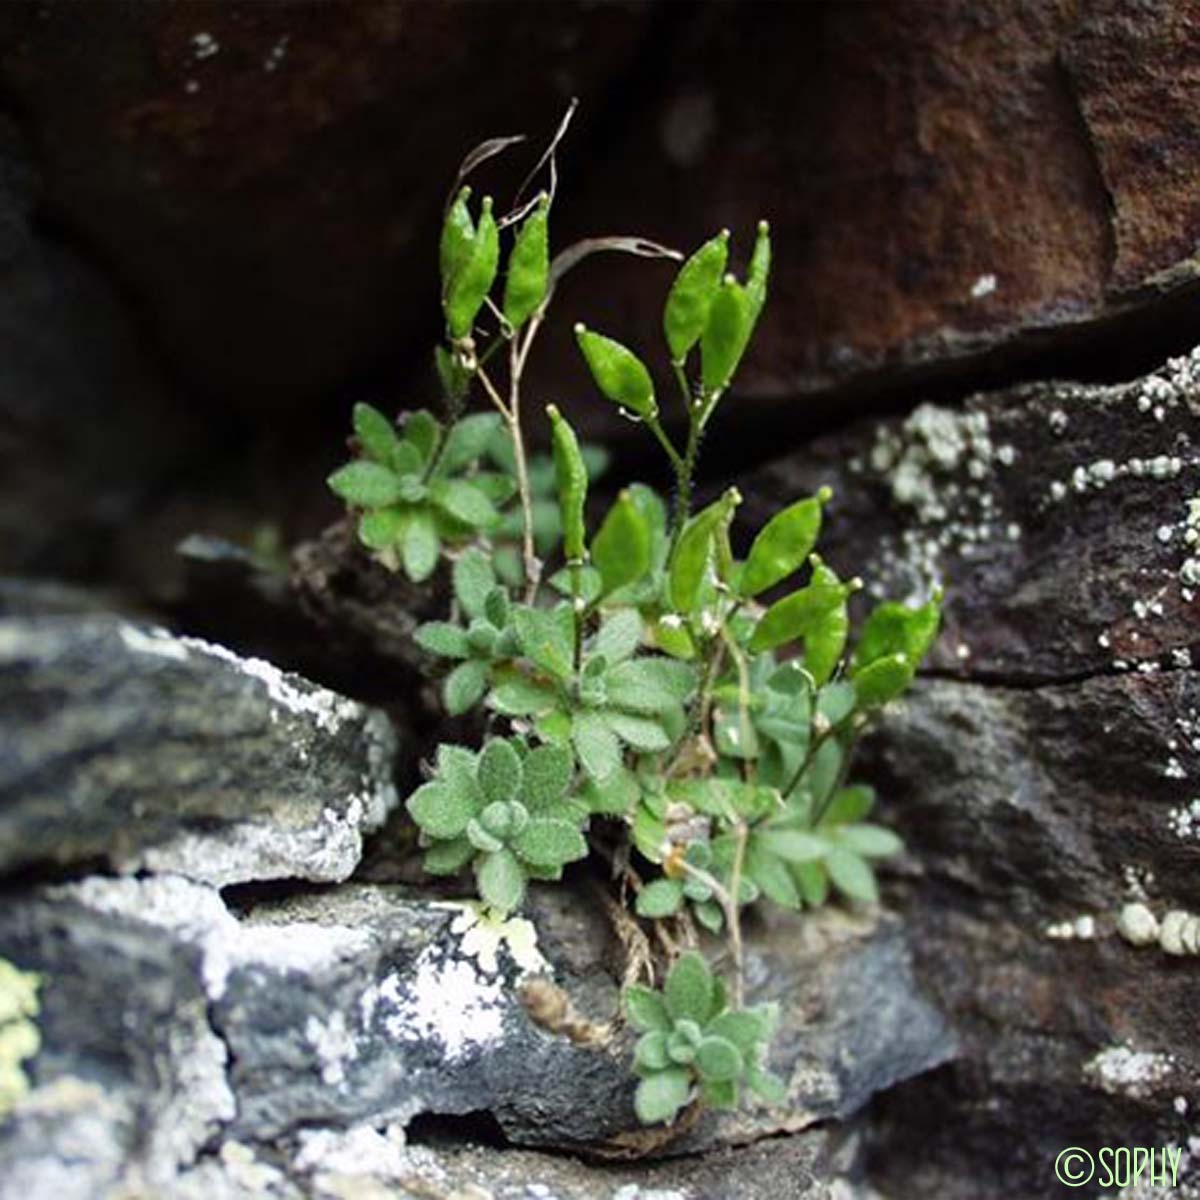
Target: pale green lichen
(19, 1036)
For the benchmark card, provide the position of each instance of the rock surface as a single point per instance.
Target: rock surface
(1044, 774)
(368, 1007)
(123, 745)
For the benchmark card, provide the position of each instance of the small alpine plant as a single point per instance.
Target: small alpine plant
(653, 696)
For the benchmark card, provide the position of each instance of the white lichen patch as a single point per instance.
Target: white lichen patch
(1081, 928)
(1137, 924)
(359, 1150)
(153, 641)
(1184, 821)
(936, 465)
(483, 935)
(440, 999)
(1120, 1071)
(334, 1044)
(19, 1036)
(327, 710)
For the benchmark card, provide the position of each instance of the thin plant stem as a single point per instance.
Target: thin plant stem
(726, 899)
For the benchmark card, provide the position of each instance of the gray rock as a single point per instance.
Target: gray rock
(124, 745)
(363, 1006)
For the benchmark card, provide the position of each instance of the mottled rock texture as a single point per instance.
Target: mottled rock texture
(1045, 771)
(225, 226)
(366, 1007)
(125, 746)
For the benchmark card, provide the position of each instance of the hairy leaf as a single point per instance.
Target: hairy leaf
(661, 898)
(688, 990)
(443, 638)
(550, 843)
(499, 771)
(545, 776)
(851, 874)
(661, 1095)
(646, 1009)
(474, 579)
(501, 880)
(464, 687)
(439, 810)
(596, 745)
(718, 1059)
(366, 484)
(547, 637)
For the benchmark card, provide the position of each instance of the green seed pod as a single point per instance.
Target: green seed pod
(618, 373)
(725, 336)
(571, 479)
(760, 268)
(473, 280)
(692, 294)
(694, 551)
(458, 232)
(528, 267)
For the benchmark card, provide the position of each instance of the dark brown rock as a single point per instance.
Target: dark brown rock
(1043, 774)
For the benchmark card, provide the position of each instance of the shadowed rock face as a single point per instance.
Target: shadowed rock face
(236, 210)
(1044, 773)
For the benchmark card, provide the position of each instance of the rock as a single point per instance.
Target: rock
(950, 187)
(1043, 774)
(175, 755)
(365, 1006)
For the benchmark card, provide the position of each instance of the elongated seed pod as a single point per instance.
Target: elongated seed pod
(571, 478)
(458, 232)
(473, 280)
(686, 311)
(528, 267)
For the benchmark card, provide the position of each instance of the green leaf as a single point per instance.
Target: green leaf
(550, 843)
(642, 733)
(725, 335)
(596, 745)
(464, 687)
(365, 485)
(614, 796)
(571, 482)
(464, 502)
(770, 1087)
(772, 876)
(688, 990)
(782, 545)
(745, 1029)
(619, 373)
(649, 834)
(883, 680)
(547, 637)
(499, 771)
(690, 299)
(849, 805)
(619, 635)
(836, 701)
(709, 915)
(423, 432)
(458, 234)
(813, 883)
(439, 810)
(546, 775)
(718, 1059)
(496, 607)
(760, 269)
(467, 441)
(650, 1053)
(851, 875)
(474, 579)
(565, 580)
(646, 1010)
(661, 898)
(456, 766)
(621, 548)
(443, 638)
(661, 1095)
(793, 845)
(483, 839)
(871, 841)
(376, 434)
(518, 696)
(470, 283)
(501, 880)
(454, 378)
(420, 546)
(382, 528)
(720, 1093)
(528, 267)
(445, 858)
(649, 684)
